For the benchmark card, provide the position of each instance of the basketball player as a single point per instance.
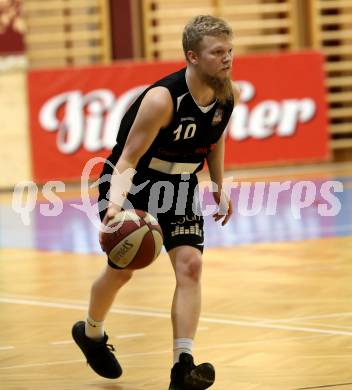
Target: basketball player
(166, 135)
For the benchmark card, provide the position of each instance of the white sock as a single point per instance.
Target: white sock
(94, 329)
(180, 346)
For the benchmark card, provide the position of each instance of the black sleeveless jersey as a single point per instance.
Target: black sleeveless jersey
(183, 145)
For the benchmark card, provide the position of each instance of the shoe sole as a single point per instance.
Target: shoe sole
(200, 378)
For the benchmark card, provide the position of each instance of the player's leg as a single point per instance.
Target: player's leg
(187, 264)
(105, 287)
(183, 239)
(104, 290)
(90, 335)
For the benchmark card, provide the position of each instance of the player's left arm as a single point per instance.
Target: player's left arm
(215, 161)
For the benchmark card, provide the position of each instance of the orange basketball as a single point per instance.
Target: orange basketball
(135, 239)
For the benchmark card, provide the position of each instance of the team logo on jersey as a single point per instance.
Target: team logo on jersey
(217, 116)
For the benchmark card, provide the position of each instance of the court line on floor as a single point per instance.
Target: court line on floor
(62, 342)
(145, 313)
(319, 324)
(129, 336)
(121, 336)
(55, 363)
(6, 347)
(325, 386)
(319, 316)
(130, 307)
(153, 353)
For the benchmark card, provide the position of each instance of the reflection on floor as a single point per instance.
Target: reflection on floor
(258, 217)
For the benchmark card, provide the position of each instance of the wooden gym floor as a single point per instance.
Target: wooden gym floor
(277, 309)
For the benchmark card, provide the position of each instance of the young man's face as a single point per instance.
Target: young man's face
(213, 63)
(215, 56)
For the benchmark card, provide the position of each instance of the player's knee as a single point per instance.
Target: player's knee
(122, 277)
(116, 277)
(190, 268)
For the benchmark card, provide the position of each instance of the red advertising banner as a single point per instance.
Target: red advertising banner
(11, 27)
(281, 117)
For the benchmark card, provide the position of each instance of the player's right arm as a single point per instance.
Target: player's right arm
(155, 112)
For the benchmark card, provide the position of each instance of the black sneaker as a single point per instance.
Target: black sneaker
(98, 353)
(185, 375)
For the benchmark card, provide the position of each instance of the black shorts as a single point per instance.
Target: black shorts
(181, 222)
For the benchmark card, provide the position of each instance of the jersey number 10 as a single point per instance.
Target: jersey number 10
(187, 133)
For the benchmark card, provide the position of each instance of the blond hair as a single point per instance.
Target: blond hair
(201, 26)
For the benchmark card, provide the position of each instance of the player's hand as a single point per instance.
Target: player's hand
(109, 215)
(225, 207)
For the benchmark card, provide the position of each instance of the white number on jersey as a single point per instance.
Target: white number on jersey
(188, 133)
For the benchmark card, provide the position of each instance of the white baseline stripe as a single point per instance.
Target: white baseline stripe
(279, 327)
(6, 347)
(122, 336)
(133, 307)
(160, 315)
(340, 327)
(129, 336)
(58, 362)
(31, 302)
(219, 346)
(319, 316)
(62, 342)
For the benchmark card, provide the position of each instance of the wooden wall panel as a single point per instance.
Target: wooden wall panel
(259, 25)
(331, 33)
(14, 139)
(67, 32)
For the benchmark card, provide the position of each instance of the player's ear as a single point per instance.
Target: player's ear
(192, 57)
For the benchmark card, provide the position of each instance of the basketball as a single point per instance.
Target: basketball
(135, 239)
